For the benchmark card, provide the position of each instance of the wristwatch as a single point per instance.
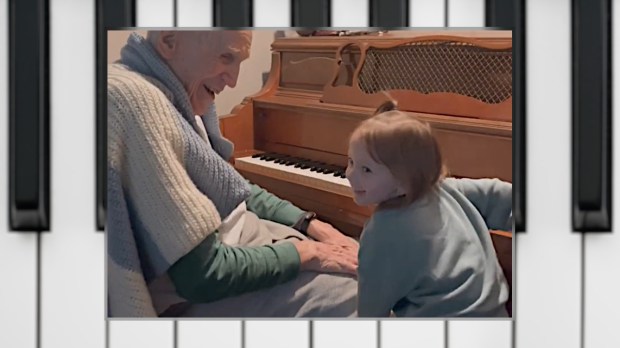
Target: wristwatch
(302, 224)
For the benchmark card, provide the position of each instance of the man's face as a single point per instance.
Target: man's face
(208, 62)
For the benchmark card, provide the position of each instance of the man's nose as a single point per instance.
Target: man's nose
(230, 78)
(230, 81)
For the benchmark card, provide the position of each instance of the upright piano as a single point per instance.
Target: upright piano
(320, 88)
(291, 137)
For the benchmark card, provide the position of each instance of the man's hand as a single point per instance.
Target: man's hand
(326, 233)
(321, 257)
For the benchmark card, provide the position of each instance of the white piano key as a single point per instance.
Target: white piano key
(18, 251)
(195, 13)
(602, 250)
(211, 333)
(349, 13)
(272, 13)
(345, 333)
(426, 333)
(417, 333)
(277, 334)
(466, 13)
(427, 13)
(548, 255)
(480, 333)
(140, 333)
(72, 255)
(154, 13)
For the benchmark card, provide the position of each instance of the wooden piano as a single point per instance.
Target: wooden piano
(320, 88)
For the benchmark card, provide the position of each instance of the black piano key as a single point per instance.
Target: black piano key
(304, 164)
(268, 158)
(592, 93)
(281, 159)
(110, 14)
(519, 117)
(311, 13)
(315, 166)
(500, 13)
(232, 13)
(389, 13)
(29, 102)
(510, 14)
(272, 157)
(300, 162)
(327, 169)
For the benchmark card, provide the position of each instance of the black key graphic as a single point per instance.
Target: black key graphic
(110, 14)
(29, 102)
(592, 93)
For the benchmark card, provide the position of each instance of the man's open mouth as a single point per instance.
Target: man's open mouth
(209, 91)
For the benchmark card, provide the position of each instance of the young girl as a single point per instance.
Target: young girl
(426, 251)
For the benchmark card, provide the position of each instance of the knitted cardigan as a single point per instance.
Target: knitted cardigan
(168, 189)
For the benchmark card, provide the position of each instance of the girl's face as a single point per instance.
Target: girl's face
(371, 182)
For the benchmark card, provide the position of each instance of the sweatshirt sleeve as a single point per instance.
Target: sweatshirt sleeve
(381, 281)
(492, 198)
(214, 271)
(269, 207)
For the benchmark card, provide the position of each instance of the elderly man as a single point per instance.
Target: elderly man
(187, 235)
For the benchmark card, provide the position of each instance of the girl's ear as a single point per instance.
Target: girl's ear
(400, 189)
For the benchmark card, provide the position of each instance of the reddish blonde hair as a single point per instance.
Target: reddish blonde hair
(407, 147)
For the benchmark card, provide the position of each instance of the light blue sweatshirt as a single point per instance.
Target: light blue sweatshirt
(435, 257)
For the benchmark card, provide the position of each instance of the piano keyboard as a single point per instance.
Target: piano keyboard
(52, 292)
(297, 171)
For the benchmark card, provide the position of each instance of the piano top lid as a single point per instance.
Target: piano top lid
(330, 43)
(464, 74)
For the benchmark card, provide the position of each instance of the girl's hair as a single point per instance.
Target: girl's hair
(407, 147)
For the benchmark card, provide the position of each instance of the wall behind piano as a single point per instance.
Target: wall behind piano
(250, 77)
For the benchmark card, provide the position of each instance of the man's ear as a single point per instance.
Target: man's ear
(167, 43)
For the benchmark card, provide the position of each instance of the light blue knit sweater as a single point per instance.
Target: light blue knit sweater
(167, 188)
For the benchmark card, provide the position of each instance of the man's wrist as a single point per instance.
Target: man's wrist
(302, 224)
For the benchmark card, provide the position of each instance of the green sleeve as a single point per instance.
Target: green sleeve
(269, 207)
(492, 198)
(213, 270)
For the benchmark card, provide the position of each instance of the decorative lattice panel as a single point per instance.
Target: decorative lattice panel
(440, 66)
